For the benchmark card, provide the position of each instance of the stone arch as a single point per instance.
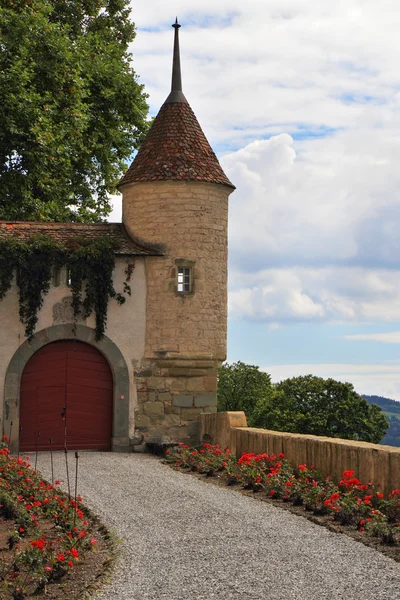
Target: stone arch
(120, 433)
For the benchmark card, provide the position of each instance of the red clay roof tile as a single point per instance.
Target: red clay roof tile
(176, 149)
(64, 232)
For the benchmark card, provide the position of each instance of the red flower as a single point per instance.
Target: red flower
(348, 474)
(60, 557)
(74, 553)
(302, 467)
(38, 544)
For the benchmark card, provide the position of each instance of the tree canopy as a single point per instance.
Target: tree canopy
(308, 404)
(241, 386)
(71, 109)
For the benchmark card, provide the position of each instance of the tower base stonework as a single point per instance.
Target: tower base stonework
(171, 394)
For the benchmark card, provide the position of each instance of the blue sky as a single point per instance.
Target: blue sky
(300, 100)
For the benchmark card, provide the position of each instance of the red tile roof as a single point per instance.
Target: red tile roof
(64, 232)
(176, 149)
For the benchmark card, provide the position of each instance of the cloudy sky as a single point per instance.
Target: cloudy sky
(300, 99)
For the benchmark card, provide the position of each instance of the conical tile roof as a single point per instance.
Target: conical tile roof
(176, 148)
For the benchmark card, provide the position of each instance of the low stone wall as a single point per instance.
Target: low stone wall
(331, 456)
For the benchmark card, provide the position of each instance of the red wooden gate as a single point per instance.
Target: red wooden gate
(66, 393)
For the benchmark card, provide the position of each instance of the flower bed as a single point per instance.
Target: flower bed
(43, 532)
(348, 502)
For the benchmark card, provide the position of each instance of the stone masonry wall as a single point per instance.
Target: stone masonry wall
(191, 219)
(185, 334)
(171, 394)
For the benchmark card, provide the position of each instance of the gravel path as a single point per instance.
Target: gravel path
(184, 539)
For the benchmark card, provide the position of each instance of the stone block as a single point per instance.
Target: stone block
(179, 371)
(142, 422)
(144, 373)
(172, 410)
(210, 409)
(142, 397)
(156, 383)
(182, 400)
(156, 420)
(195, 384)
(164, 397)
(178, 433)
(189, 414)
(202, 400)
(210, 383)
(152, 396)
(153, 408)
(172, 420)
(176, 385)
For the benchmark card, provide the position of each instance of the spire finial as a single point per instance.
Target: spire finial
(176, 94)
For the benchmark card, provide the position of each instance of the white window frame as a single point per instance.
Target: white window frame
(184, 281)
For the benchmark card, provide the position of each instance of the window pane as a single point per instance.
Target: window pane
(184, 279)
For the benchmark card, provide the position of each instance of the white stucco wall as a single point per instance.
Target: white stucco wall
(126, 323)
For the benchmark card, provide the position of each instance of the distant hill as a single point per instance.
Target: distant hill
(391, 408)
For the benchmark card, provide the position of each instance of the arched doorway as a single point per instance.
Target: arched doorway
(67, 395)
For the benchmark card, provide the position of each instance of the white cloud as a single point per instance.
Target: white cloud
(313, 223)
(335, 294)
(381, 380)
(392, 337)
(258, 64)
(313, 228)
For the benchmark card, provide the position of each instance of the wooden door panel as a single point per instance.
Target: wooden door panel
(71, 374)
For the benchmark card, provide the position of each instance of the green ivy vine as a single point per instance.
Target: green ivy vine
(90, 264)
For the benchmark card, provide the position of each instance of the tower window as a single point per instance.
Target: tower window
(184, 280)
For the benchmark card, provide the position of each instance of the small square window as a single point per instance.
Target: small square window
(184, 280)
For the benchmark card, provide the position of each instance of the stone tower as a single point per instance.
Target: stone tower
(176, 194)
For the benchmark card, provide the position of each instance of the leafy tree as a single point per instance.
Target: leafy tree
(309, 404)
(317, 406)
(71, 109)
(241, 386)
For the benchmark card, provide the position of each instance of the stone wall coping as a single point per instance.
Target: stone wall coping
(320, 438)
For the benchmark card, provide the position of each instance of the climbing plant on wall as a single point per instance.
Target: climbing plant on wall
(90, 264)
